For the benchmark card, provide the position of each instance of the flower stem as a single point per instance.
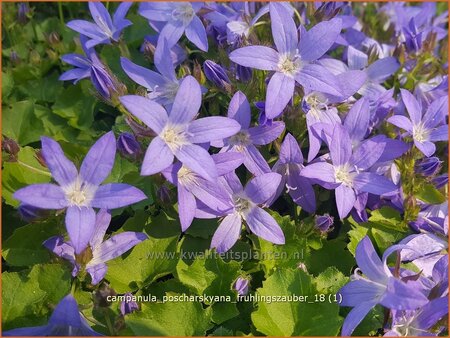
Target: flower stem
(34, 169)
(61, 13)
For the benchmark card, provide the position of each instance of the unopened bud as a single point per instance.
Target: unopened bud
(324, 223)
(216, 74)
(128, 146)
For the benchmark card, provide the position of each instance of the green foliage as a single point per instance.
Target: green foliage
(295, 318)
(24, 170)
(28, 295)
(170, 319)
(149, 260)
(24, 247)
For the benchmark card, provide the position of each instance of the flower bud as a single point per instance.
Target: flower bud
(128, 146)
(128, 305)
(262, 118)
(324, 223)
(53, 38)
(216, 74)
(428, 166)
(198, 73)
(14, 58)
(243, 73)
(440, 181)
(139, 130)
(23, 12)
(148, 49)
(241, 286)
(40, 158)
(10, 146)
(29, 213)
(163, 194)
(101, 296)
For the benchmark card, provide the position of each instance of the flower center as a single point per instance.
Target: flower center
(186, 176)
(343, 175)
(288, 64)
(240, 140)
(174, 136)
(183, 13)
(315, 104)
(79, 193)
(420, 133)
(167, 92)
(242, 205)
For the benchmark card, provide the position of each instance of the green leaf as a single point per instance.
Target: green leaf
(149, 260)
(26, 170)
(20, 123)
(24, 247)
(222, 332)
(75, 107)
(222, 312)
(294, 318)
(170, 319)
(7, 84)
(330, 281)
(21, 300)
(209, 275)
(28, 296)
(430, 195)
(319, 260)
(289, 255)
(386, 216)
(44, 89)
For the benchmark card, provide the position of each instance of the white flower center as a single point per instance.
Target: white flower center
(186, 176)
(240, 140)
(289, 64)
(242, 205)
(343, 175)
(79, 193)
(184, 13)
(168, 91)
(174, 136)
(420, 133)
(317, 102)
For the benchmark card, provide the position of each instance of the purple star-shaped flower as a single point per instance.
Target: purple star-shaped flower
(178, 133)
(162, 86)
(377, 72)
(418, 322)
(290, 166)
(377, 286)
(424, 129)
(66, 320)
(105, 29)
(246, 204)
(172, 19)
(101, 251)
(81, 191)
(191, 187)
(293, 60)
(346, 172)
(247, 138)
(89, 66)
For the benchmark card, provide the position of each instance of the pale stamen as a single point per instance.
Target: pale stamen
(240, 140)
(343, 175)
(420, 133)
(79, 193)
(174, 136)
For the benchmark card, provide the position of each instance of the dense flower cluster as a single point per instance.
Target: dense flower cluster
(340, 116)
